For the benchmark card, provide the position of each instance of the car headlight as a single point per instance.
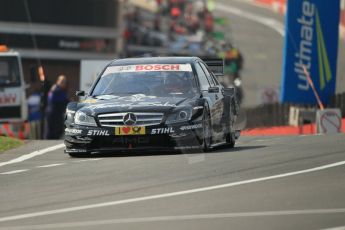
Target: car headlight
(179, 116)
(81, 118)
(70, 115)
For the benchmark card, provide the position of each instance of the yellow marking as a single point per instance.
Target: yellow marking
(130, 130)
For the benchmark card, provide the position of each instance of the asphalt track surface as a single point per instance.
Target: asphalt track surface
(264, 183)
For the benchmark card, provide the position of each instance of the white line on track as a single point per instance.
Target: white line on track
(261, 140)
(266, 21)
(166, 195)
(50, 165)
(14, 172)
(268, 139)
(178, 218)
(33, 154)
(336, 228)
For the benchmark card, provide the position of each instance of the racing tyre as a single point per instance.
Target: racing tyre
(230, 136)
(230, 139)
(207, 132)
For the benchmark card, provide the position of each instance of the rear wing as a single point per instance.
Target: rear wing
(216, 65)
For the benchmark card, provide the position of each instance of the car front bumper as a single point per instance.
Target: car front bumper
(83, 139)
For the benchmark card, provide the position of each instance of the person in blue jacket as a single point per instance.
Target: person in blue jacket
(56, 106)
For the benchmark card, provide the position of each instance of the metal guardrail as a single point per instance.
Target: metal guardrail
(278, 114)
(338, 101)
(268, 115)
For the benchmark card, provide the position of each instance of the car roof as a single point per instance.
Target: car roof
(154, 60)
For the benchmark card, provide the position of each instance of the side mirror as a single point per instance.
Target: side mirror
(229, 91)
(80, 93)
(213, 89)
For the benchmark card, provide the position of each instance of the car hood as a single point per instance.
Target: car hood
(134, 103)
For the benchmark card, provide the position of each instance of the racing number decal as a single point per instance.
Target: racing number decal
(128, 130)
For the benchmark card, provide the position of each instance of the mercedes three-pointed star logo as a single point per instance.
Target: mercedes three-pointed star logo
(129, 119)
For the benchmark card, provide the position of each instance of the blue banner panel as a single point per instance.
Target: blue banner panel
(311, 40)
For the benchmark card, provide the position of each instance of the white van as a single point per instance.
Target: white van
(13, 103)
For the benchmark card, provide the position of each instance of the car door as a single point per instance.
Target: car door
(204, 87)
(216, 94)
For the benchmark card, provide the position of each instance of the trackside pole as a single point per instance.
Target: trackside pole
(311, 83)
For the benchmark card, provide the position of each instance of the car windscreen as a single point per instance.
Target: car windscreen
(9, 72)
(161, 80)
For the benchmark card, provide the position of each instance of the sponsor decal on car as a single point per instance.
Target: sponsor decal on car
(73, 131)
(156, 67)
(186, 147)
(130, 130)
(162, 130)
(98, 133)
(76, 150)
(191, 127)
(149, 68)
(131, 140)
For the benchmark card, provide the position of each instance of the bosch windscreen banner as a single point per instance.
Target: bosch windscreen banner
(149, 68)
(311, 41)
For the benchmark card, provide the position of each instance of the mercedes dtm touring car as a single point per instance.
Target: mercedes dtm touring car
(159, 103)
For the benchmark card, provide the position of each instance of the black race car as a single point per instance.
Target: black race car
(158, 103)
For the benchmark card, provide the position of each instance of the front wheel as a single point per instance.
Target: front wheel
(207, 133)
(230, 139)
(230, 135)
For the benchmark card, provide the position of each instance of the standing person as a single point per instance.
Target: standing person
(56, 106)
(35, 113)
(45, 85)
(233, 61)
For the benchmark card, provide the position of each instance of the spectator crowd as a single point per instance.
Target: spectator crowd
(181, 27)
(175, 27)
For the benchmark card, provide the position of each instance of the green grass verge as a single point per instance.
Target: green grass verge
(7, 143)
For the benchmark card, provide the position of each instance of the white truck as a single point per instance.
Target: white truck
(13, 102)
